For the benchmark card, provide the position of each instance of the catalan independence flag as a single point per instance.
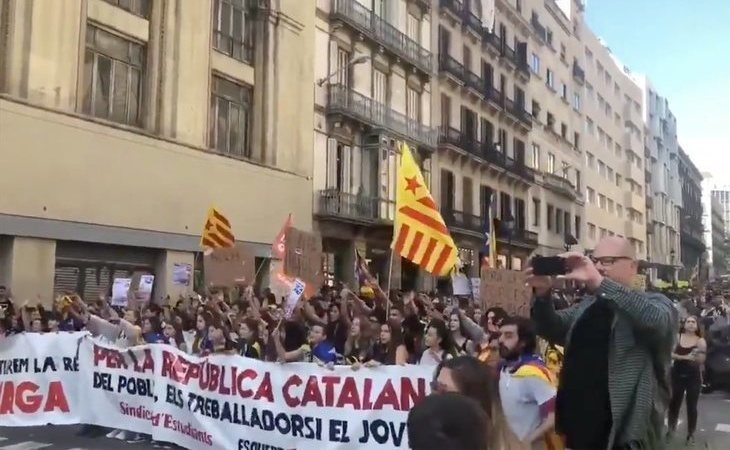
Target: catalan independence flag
(420, 234)
(217, 231)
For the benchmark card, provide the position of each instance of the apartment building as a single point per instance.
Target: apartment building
(555, 149)
(613, 140)
(123, 121)
(373, 78)
(715, 226)
(691, 244)
(479, 103)
(664, 186)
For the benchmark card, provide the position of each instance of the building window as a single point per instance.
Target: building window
(233, 32)
(577, 227)
(380, 87)
(564, 91)
(550, 79)
(113, 72)
(576, 101)
(536, 212)
(230, 117)
(343, 67)
(535, 156)
(136, 7)
(602, 201)
(413, 28)
(551, 163)
(535, 64)
(591, 231)
(591, 196)
(550, 216)
(413, 104)
(559, 221)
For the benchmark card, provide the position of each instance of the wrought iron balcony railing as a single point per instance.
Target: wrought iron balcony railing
(333, 203)
(353, 104)
(449, 65)
(462, 220)
(379, 30)
(578, 72)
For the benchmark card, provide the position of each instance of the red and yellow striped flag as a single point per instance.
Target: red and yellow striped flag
(217, 232)
(420, 234)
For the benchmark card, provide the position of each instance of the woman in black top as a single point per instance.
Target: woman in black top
(248, 339)
(688, 357)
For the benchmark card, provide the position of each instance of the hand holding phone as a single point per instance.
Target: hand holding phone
(549, 266)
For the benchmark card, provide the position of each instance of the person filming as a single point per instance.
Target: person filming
(614, 384)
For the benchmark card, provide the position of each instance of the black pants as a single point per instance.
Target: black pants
(688, 383)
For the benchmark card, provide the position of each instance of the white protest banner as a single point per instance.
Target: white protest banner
(120, 291)
(228, 402)
(291, 301)
(38, 379)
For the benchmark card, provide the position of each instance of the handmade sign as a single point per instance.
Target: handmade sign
(506, 289)
(303, 257)
(229, 267)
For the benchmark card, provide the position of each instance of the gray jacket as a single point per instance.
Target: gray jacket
(643, 335)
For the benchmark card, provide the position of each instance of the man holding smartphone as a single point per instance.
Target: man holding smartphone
(614, 385)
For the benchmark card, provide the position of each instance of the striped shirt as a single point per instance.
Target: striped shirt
(642, 338)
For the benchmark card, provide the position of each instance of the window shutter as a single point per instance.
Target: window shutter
(346, 169)
(331, 163)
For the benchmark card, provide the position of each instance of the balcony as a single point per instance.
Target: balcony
(538, 28)
(517, 111)
(494, 95)
(454, 7)
(349, 207)
(522, 237)
(492, 41)
(634, 173)
(498, 158)
(578, 73)
(560, 185)
(382, 32)
(463, 221)
(635, 230)
(347, 102)
(634, 201)
(475, 83)
(472, 22)
(452, 67)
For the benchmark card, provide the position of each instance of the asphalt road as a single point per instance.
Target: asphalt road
(713, 433)
(713, 423)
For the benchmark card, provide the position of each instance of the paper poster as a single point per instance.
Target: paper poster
(475, 283)
(144, 291)
(460, 285)
(181, 274)
(120, 291)
(294, 296)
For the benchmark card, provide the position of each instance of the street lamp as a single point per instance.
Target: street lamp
(509, 226)
(354, 62)
(672, 256)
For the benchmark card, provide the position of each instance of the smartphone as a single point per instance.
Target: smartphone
(549, 265)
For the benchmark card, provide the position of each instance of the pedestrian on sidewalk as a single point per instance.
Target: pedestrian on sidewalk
(688, 357)
(614, 383)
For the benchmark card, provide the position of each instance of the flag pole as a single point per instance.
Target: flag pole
(387, 292)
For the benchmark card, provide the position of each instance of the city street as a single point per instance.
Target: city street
(713, 432)
(713, 425)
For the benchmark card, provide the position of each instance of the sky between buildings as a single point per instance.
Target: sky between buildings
(683, 46)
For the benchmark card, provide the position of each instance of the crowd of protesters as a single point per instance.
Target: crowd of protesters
(519, 388)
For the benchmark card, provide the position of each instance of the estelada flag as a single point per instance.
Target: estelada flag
(217, 232)
(420, 234)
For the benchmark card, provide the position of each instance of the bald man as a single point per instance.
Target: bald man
(614, 386)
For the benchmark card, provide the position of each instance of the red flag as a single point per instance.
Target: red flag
(278, 248)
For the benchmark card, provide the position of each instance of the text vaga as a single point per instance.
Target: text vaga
(27, 397)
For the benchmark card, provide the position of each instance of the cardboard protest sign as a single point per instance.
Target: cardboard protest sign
(303, 257)
(228, 267)
(506, 289)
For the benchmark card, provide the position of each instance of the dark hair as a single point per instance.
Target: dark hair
(525, 332)
(252, 325)
(698, 332)
(448, 422)
(443, 333)
(472, 378)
